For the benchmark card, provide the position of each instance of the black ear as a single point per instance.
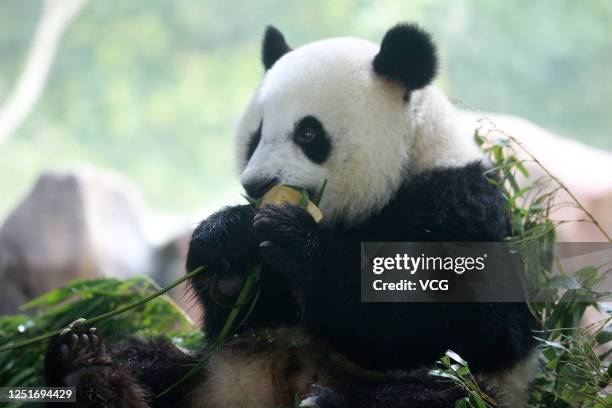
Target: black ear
(273, 47)
(407, 55)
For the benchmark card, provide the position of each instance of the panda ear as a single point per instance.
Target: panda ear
(273, 47)
(407, 55)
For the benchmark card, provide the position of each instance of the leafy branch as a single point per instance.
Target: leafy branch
(104, 316)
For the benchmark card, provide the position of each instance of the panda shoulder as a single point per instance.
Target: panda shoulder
(442, 204)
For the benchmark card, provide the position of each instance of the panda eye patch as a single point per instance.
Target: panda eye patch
(311, 137)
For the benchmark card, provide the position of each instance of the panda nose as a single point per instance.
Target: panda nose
(259, 187)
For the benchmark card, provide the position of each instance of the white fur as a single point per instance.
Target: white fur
(514, 382)
(252, 372)
(375, 134)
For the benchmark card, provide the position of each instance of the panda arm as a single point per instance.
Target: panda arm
(128, 374)
(324, 274)
(225, 245)
(156, 363)
(444, 205)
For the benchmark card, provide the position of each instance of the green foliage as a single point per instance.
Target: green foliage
(154, 89)
(533, 59)
(455, 368)
(88, 298)
(575, 373)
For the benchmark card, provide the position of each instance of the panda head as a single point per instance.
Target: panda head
(343, 110)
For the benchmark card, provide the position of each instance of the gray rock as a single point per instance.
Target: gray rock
(72, 224)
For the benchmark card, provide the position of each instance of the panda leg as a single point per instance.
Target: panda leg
(388, 395)
(128, 375)
(77, 358)
(416, 390)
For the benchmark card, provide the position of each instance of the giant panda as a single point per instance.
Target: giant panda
(367, 119)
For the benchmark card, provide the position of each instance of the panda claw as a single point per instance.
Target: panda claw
(74, 344)
(74, 341)
(74, 349)
(84, 341)
(64, 351)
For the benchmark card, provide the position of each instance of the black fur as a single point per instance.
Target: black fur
(226, 244)
(321, 267)
(273, 47)
(444, 205)
(407, 55)
(312, 138)
(128, 375)
(310, 278)
(415, 389)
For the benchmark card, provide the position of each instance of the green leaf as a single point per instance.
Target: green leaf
(463, 371)
(522, 169)
(552, 343)
(443, 374)
(456, 357)
(563, 282)
(604, 335)
(476, 401)
(304, 199)
(317, 199)
(462, 403)
(589, 276)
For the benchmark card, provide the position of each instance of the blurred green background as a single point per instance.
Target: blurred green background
(153, 89)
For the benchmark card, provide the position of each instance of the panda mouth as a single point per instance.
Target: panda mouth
(312, 193)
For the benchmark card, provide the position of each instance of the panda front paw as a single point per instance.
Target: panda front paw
(223, 275)
(289, 240)
(224, 245)
(76, 347)
(78, 358)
